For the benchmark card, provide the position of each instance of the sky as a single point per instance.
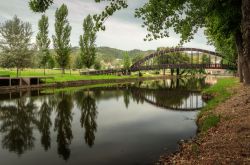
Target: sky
(123, 30)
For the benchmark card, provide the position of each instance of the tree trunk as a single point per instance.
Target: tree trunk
(172, 72)
(239, 45)
(240, 72)
(177, 71)
(246, 40)
(44, 71)
(63, 70)
(17, 72)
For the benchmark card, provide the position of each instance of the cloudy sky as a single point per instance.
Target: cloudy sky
(123, 31)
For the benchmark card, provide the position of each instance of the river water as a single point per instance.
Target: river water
(117, 124)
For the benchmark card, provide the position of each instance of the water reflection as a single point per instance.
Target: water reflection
(87, 105)
(63, 124)
(17, 123)
(20, 117)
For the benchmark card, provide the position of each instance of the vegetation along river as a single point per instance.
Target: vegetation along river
(107, 125)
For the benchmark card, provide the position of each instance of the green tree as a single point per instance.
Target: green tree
(126, 61)
(205, 59)
(16, 48)
(43, 41)
(78, 62)
(62, 37)
(40, 5)
(97, 65)
(51, 62)
(87, 42)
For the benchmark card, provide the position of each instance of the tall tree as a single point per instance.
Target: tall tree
(246, 39)
(15, 37)
(126, 62)
(43, 41)
(87, 42)
(62, 37)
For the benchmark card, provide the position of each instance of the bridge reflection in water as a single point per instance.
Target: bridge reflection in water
(23, 115)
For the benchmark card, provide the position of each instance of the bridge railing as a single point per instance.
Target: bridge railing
(184, 66)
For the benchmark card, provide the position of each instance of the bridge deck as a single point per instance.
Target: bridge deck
(163, 66)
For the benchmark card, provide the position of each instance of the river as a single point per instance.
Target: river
(123, 124)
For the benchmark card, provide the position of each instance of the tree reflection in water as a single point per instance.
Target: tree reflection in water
(63, 124)
(126, 94)
(87, 105)
(45, 123)
(17, 122)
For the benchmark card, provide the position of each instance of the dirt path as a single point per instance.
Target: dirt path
(228, 142)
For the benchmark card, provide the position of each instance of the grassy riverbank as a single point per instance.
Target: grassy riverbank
(68, 76)
(219, 92)
(224, 128)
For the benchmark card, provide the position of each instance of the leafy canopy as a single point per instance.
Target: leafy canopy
(15, 44)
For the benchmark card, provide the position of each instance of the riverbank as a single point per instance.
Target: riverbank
(224, 129)
(84, 82)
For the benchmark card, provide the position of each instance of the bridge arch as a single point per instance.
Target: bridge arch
(139, 63)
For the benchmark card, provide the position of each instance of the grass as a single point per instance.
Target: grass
(220, 92)
(58, 77)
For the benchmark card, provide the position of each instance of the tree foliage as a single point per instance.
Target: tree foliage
(97, 65)
(15, 44)
(62, 37)
(87, 42)
(126, 61)
(43, 41)
(40, 5)
(78, 62)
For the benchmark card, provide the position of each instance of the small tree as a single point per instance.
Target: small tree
(43, 41)
(51, 62)
(97, 65)
(78, 62)
(62, 37)
(126, 62)
(15, 37)
(87, 42)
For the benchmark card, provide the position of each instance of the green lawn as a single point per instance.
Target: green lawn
(58, 77)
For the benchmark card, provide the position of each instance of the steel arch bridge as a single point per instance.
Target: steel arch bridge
(177, 64)
(173, 63)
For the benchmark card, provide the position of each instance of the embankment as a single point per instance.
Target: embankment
(224, 129)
